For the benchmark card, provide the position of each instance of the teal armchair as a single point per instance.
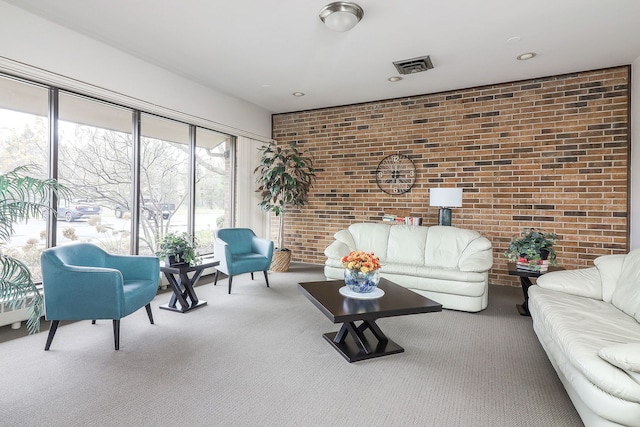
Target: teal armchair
(82, 282)
(239, 251)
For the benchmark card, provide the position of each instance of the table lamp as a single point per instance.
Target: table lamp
(445, 198)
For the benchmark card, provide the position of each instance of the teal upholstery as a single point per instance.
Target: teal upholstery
(82, 281)
(239, 251)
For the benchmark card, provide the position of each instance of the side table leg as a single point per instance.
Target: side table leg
(523, 308)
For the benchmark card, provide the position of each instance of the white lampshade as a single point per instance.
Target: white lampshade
(341, 16)
(445, 197)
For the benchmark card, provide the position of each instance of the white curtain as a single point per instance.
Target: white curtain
(248, 213)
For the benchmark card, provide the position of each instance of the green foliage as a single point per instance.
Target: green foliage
(529, 244)
(23, 197)
(182, 245)
(285, 178)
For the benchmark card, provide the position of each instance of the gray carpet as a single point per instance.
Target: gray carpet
(257, 358)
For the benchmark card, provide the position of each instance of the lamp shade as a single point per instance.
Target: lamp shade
(445, 197)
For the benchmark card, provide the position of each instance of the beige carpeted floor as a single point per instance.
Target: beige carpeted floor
(257, 358)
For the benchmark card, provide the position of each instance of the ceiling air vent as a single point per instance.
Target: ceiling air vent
(415, 65)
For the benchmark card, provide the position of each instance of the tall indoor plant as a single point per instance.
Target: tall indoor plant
(22, 197)
(285, 176)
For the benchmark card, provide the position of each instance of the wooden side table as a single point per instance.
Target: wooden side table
(182, 285)
(525, 282)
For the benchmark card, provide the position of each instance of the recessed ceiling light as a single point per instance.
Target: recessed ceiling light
(515, 39)
(298, 93)
(526, 56)
(394, 78)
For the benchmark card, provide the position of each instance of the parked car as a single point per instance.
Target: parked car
(70, 210)
(150, 208)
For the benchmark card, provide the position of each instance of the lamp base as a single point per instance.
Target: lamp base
(444, 218)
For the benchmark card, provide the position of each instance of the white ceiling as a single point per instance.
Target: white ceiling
(264, 50)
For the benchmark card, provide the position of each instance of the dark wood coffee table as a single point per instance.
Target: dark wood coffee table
(364, 341)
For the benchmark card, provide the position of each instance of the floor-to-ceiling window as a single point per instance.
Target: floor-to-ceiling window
(164, 180)
(212, 186)
(185, 172)
(95, 152)
(24, 141)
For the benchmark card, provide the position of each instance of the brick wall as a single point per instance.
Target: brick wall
(549, 153)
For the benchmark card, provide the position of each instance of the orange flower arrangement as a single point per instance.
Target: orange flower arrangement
(361, 261)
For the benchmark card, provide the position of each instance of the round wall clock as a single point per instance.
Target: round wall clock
(396, 174)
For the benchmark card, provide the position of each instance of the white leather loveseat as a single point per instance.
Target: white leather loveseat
(588, 322)
(446, 264)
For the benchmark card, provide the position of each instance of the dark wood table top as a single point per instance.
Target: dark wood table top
(396, 301)
(186, 268)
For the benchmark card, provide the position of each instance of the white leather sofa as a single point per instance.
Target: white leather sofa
(587, 321)
(446, 264)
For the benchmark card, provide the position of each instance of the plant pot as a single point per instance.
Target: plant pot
(280, 261)
(544, 254)
(171, 260)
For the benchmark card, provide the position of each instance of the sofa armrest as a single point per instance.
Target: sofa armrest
(477, 257)
(134, 266)
(262, 246)
(584, 282)
(337, 250)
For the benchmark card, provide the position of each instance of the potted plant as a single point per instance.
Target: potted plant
(284, 179)
(23, 197)
(532, 246)
(177, 248)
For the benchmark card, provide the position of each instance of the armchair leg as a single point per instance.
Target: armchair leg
(148, 307)
(52, 331)
(93, 322)
(252, 275)
(266, 278)
(116, 333)
(215, 279)
(230, 278)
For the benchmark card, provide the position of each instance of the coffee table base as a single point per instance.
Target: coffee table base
(356, 343)
(199, 304)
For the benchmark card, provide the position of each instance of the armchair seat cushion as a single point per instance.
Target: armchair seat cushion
(246, 262)
(138, 293)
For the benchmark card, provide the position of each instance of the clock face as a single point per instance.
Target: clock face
(396, 174)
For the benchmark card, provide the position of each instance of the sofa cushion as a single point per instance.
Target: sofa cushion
(609, 267)
(581, 327)
(371, 238)
(624, 356)
(446, 244)
(406, 245)
(627, 294)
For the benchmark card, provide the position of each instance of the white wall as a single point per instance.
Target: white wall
(37, 48)
(635, 154)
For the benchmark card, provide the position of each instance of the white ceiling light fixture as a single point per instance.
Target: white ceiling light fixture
(341, 15)
(298, 94)
(525, 56)
(394, 79)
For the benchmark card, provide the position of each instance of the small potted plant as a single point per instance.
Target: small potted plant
(532, 247)
(177, 248)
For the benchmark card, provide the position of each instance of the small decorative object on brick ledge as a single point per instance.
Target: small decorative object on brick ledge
(533, 250)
